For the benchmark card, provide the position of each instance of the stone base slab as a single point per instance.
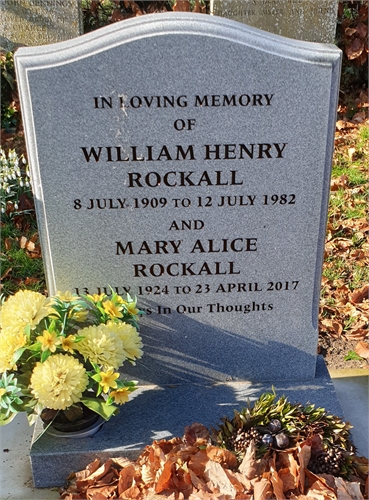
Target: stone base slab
(161, 413)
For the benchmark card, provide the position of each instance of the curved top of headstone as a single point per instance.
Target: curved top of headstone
(176, 23)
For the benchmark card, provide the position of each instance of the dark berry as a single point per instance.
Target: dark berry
(267, 439)
(275, 425)
(282, 440)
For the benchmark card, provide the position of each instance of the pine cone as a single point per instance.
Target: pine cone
(241, 439)
(328, 462)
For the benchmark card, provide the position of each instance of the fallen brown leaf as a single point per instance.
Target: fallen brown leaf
(96, 475)
(132, 493)
(195, 432)
(216, 475)
(346, 490)
(339, 183)
(351, 152)
(304, 455)
(165, 478)
(248, 466)
(182, 6)
(343, 124)
(222, 456)
(126, 477)
(262, 489)
(277, 484)
(362, 349)
(360, 294)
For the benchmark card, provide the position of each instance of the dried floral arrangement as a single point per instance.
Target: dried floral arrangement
(237, 461)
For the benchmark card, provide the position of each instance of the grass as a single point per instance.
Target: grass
(346, 263)
(19, 266)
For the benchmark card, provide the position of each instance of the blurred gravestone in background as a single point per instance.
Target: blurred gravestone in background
(310, 20)
(38, 22)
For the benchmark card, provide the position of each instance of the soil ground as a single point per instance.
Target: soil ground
(334, 351)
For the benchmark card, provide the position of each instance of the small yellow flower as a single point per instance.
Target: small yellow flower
(108, 379)
(96, 298)
(132, 309)
(2, 392)
(66, 297)
(67, 343)
(79, 316)
(130, 306)
(120, 396)
(48, 341)
(114, 310)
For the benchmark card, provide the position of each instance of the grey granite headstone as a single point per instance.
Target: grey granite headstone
(38, 22)
(186, 159)
(310, 20)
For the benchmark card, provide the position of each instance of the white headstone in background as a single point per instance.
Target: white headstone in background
(310, 20)
(38, 22)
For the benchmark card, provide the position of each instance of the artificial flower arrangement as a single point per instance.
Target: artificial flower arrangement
(62, 354)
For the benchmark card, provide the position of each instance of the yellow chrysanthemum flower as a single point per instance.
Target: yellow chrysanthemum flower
(49, 341)
(114, 310)
(132, 342)
(59, 382)
(108, 379)
(120, 396)
(67, 343)
(22, 309)
(101, 345)
(9, 343)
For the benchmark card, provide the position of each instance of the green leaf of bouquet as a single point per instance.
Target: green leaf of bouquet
(27, 330)
(101, 407)
(32, 418)
(45, 355)
(96, 377)
(7, 420)
(34, 347)
(18, 353)
(52, 326)
(129, 384)
(20, 405)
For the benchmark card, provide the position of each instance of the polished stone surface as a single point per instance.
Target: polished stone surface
(15, 472)
(163, 412)
(198, 183)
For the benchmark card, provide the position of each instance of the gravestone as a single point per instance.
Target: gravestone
(310, 20)
(38, 22)
(197, 181)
